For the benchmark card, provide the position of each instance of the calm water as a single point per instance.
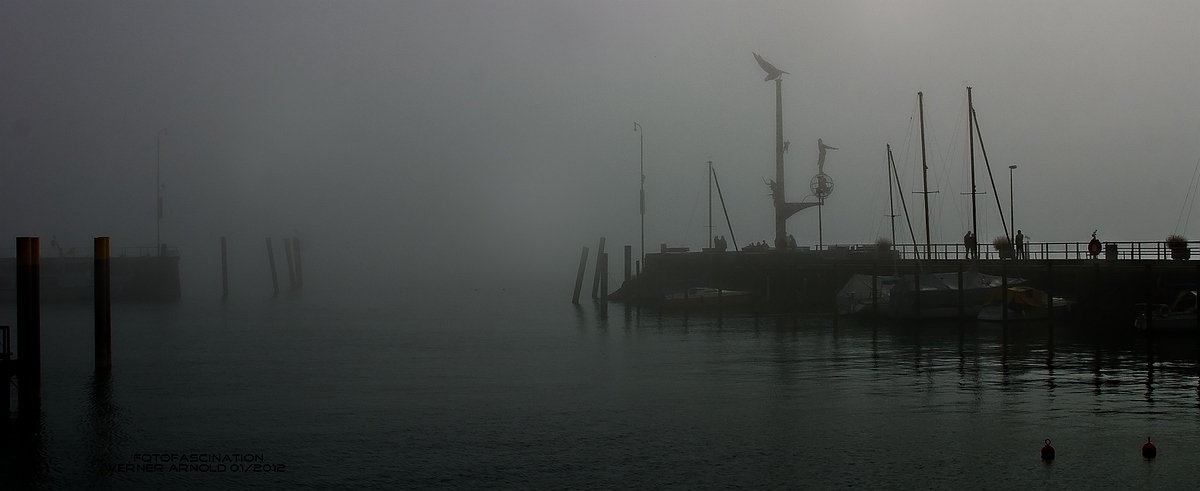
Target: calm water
(516, 389)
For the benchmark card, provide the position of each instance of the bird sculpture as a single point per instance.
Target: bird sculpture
(772, 72)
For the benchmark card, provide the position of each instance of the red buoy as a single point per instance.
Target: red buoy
(1148, 449)
(1047, 451)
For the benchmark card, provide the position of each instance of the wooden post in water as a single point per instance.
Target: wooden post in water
(596, 276)
(299, 271)
(917, 293)
(271, 259)
(604, 285)
(579, 277)
(103, 304)
(29, 326)
(287, 253)
(224, 271)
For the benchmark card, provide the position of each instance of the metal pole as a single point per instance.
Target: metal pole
(924, 174)
(1012, 216)
(642, 189)
(158, 192)
(971, 135)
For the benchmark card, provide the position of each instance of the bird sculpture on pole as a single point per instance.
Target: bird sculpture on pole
(772, 72)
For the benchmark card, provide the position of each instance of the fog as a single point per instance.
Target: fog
(460, 140)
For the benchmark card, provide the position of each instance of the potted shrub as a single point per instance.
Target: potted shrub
(1179, 247)
(1003, 246)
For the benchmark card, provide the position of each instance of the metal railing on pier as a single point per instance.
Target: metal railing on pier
(1119, 250)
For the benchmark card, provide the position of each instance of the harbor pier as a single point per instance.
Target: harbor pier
(1120, 280)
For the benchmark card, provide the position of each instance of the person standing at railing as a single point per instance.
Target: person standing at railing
(971, 245)
(1020, 249)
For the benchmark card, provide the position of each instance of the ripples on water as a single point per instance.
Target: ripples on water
(517, 389)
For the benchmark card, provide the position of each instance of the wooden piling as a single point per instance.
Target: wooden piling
(291, 268)
(603, 285)
(103, 303)
(596, 276)
(271, 259)
(224, 271)
(579, 277)
(299, 270)
(29, 329)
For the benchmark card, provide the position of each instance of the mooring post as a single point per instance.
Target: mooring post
(271, 259)
(287, 254)
(835, 276)
(604, 285)
(579, 277)
(596, 276)
(637, 265)
(103, 306)
(29, 329)
(299, 271)
(224, 271)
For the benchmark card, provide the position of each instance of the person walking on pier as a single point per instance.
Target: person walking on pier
(969, 243)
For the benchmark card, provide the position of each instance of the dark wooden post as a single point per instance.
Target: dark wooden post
(579, 277)
(596, 276)
(29, 329)
(271, 259)
(917, 293)
(103, 304)
(603, 285)
(224, 271)
(287, 254)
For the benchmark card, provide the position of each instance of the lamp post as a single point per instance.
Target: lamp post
(1012, 217)
(158, 192)
(642, 185)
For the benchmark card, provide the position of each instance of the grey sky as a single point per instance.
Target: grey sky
(498, 136)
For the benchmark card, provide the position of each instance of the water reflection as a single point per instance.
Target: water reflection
(1073, 355)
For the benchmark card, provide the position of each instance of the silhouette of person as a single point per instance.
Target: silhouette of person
(1020, 244)
(822, 147)
(969, 242)
(1094, 246)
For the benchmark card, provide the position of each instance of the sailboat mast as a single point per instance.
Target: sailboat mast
(971, 134)
(710, 229)
(891, 200)
(924, 176)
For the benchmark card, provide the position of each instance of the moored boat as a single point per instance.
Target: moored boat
(703, 297)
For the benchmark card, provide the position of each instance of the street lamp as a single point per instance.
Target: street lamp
(1012, 217)
(158, 192)
(642, 185)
